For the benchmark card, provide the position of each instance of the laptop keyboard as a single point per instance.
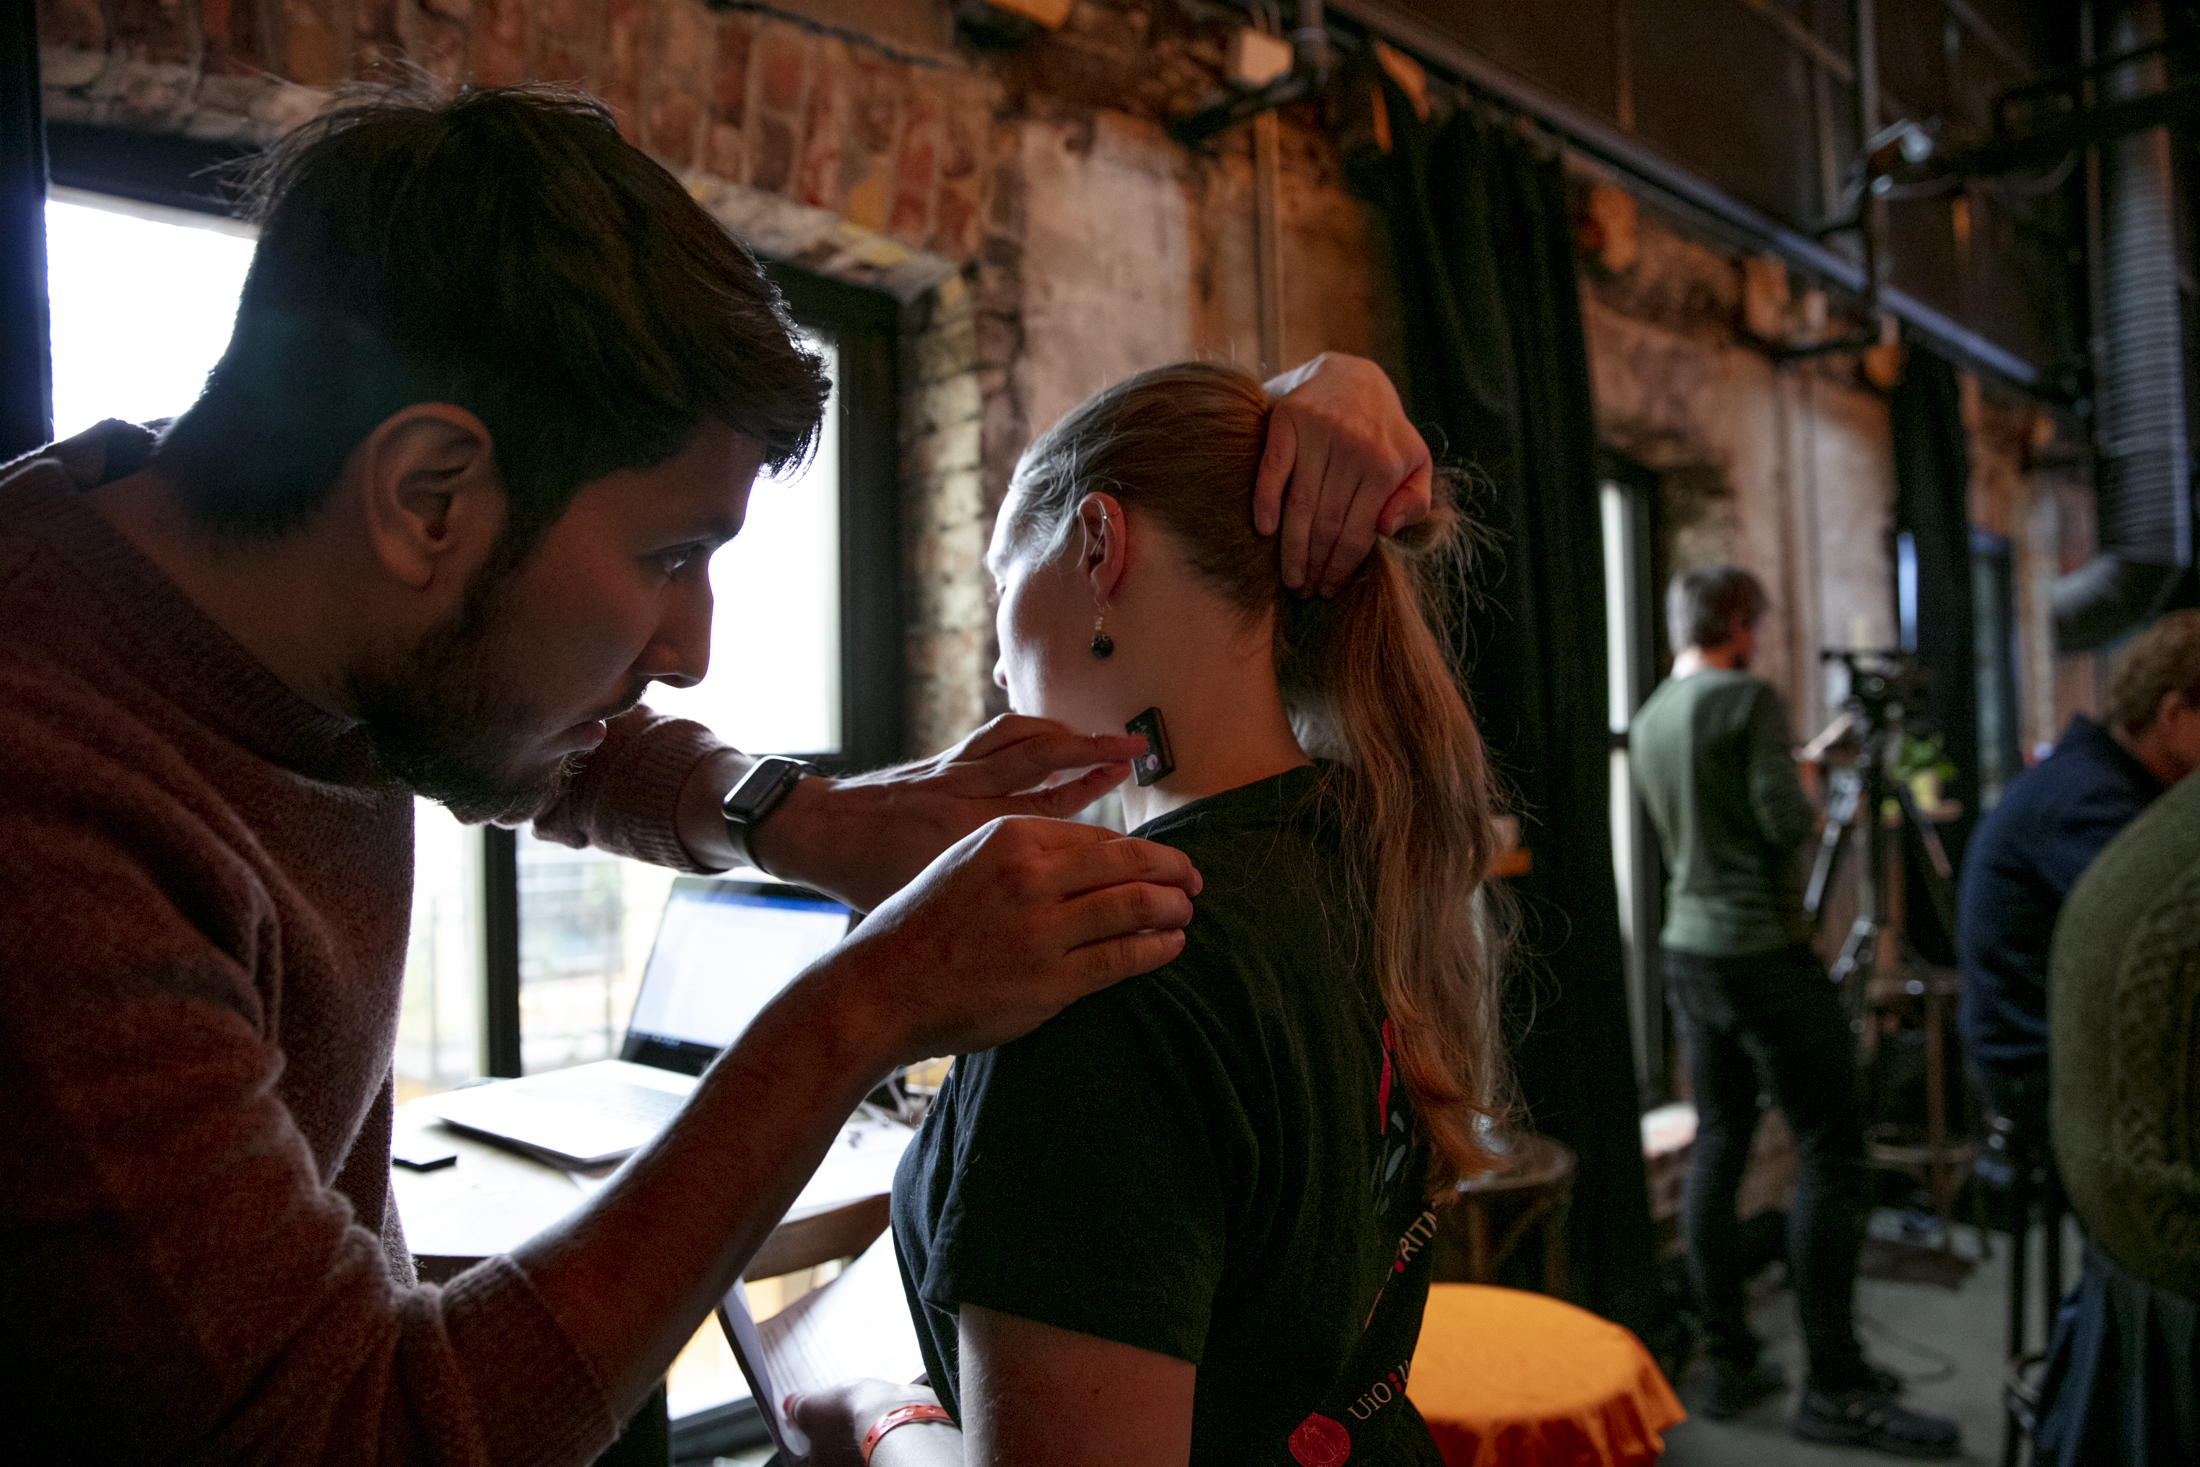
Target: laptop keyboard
(608, 1095)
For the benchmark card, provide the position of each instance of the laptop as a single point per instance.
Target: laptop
(724, 950)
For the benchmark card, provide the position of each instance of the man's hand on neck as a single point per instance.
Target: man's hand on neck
(1226, 723)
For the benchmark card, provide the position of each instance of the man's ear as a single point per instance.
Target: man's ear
(429, 492)
(2172, 710)
(1105, 551)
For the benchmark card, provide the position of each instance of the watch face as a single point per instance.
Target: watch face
(760, 789)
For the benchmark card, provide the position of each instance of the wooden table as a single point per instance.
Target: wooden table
(1526, 1380)
(494, 1199)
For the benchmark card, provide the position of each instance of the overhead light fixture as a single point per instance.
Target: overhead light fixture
(1258, 58)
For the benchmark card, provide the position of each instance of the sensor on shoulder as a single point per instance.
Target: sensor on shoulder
(1157, 763)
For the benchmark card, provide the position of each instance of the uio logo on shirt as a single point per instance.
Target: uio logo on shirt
(1320, 1442)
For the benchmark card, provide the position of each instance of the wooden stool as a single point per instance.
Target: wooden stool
(1503, 1376)
(1538, 1176)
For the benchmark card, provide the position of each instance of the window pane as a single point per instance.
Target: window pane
(439, 1021)
(1624, 604)
(1619, 604)
(142, 299)
(774, 681)
(586, 920)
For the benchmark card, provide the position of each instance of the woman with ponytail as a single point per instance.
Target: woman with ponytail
(1188, 1219)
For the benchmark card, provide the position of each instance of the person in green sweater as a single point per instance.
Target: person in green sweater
(2123, 1010)
(1710, 756)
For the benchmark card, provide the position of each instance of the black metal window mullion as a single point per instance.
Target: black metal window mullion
(500, 1052)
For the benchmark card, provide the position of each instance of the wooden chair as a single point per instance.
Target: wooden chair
(1533, 1190)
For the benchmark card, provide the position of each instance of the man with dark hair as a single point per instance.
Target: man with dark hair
(1709, 752)
(1703, 607)
(2031, 849)
(497, 390)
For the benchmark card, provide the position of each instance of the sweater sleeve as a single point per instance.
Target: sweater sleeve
(1783, 812)
(179, 1280)
(627, 793)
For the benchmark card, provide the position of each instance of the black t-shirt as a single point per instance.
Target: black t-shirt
(1216, 1161)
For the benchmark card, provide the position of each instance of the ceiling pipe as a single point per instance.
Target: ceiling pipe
(1308, 76)
(1680, 186)
(2142, 449)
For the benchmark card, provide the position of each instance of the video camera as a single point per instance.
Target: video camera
(1881, 682)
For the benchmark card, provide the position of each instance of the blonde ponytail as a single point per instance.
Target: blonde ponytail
(1369, 685)
(1374, 689)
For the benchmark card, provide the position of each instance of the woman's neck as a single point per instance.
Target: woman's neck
(1226, 727)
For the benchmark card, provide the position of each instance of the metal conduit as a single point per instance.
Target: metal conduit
(2143, 458)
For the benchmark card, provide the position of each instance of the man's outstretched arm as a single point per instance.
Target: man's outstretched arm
(863, 838)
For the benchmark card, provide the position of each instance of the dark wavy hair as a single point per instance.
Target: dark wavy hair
(506, 252)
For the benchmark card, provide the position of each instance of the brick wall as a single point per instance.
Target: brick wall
(1046, 237)
(859, 139)
(1787, 468)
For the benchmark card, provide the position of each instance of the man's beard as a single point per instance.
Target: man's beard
(452, 722)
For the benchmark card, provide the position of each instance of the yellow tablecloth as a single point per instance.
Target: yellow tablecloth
(1529, 1381)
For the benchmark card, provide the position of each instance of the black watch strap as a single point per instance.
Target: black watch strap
(754, 796)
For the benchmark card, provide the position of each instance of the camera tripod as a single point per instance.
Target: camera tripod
(1856, 815)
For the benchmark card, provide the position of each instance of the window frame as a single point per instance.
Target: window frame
(1649, 1022)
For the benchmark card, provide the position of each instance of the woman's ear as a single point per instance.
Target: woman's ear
(1104, 555)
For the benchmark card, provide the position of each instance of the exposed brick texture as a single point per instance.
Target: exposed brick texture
(946, 522)
(1788, 468)
(856, 138)
(1046, 237)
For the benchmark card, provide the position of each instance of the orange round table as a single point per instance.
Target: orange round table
(1526, 1380)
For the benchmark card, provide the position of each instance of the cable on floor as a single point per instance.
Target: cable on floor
(1945, 1365)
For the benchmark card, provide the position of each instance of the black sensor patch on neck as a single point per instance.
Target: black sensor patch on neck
(1157, 763)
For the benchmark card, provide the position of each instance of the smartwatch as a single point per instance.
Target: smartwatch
(755, 796)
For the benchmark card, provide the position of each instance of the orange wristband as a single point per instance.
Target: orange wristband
(902, 1416)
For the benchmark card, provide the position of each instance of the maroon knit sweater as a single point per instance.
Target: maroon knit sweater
(204, 895)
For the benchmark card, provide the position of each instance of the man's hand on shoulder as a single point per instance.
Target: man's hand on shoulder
(864, 838)
(1355, 466)
(1015, 921)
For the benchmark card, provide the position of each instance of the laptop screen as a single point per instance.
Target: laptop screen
(724, 950)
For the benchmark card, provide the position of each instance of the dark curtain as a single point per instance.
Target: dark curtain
(1496, 372)
(26, 376)
(1932, 475)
